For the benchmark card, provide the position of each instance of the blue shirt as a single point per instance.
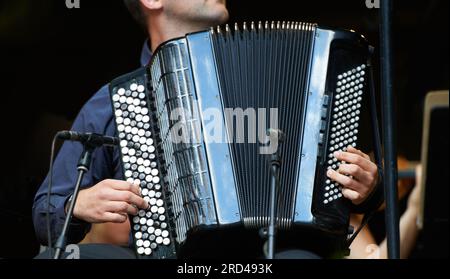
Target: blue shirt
(95, 117)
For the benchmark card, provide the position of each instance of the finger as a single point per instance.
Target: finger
(125, 186)
(109, 217)
(130, 198)
(345, 181)
(353, 150)
(355, 159)
(122, 208)
(352, 195)
(357, 173)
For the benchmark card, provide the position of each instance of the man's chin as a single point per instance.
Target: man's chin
(222, 18)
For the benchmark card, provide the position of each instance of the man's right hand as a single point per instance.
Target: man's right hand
(110, 201)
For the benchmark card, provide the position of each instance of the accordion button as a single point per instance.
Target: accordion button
(148, 251)
(141, 250)
(133, 87)
(138, 110)
(159, 202)
(154, 209)
(123, 143)
(121, 91)
(153, 201)
(161, 210)
(144, 192)
(158, 232)
(138, 235)
(165, 234)
(166, 242)
(159, 240)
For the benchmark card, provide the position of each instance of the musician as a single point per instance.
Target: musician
(105, 197)
(365, 246)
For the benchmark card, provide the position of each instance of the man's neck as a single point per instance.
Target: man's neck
(165, 30)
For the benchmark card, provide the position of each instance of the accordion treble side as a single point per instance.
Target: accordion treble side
(185, 123)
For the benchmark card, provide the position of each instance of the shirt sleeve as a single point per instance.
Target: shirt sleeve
(374, 201)
(95, 117)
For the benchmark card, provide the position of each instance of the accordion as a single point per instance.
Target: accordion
(192, 128)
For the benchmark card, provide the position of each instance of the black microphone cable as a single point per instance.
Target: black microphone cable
(49, 191)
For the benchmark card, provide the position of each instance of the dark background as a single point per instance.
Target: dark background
(54, 59)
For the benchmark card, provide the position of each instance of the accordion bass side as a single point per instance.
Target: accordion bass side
(312, 79)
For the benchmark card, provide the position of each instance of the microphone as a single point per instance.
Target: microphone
(90, 138)
(276, 134)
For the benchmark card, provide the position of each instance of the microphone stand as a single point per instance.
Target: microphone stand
(275, 166)
(274, 185)
(83, 168)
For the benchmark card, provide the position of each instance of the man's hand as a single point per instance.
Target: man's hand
(358, 176)
(109, 201)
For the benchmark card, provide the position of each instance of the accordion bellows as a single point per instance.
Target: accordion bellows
(192, 127)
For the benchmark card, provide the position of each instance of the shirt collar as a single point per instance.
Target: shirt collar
(146, 54)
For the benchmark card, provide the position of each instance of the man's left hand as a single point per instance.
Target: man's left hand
(358, 176)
